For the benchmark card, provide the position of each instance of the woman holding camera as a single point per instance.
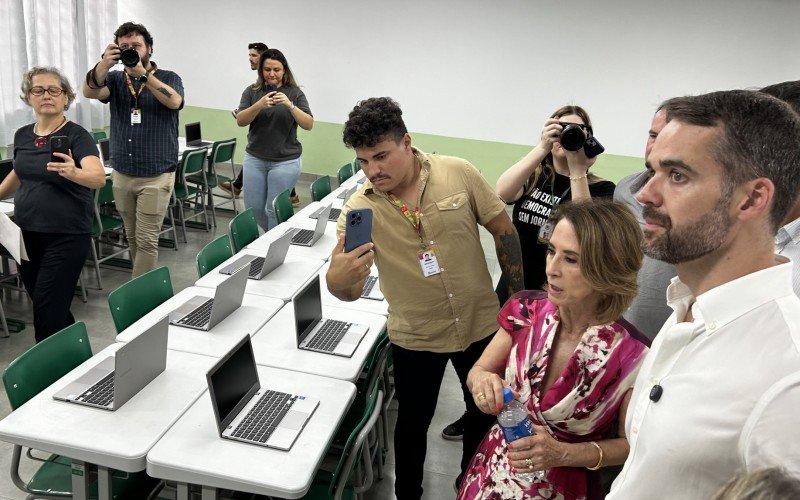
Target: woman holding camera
(273, 108)
(548, 175)
(53, 203)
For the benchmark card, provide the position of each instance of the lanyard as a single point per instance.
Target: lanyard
(134, 92)
(553, 189)
(411, 217)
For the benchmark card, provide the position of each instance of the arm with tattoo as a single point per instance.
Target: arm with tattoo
(509, 252)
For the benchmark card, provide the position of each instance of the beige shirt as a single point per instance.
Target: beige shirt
(448, 311)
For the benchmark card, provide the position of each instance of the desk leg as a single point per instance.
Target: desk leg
(80, 480)
(183, 491)
(103, 483)
(208, 493)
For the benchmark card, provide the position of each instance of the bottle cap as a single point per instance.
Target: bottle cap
(507, 395)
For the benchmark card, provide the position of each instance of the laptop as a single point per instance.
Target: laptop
(203, 313)
(314, 333)
(105, 152)
(247, 412)
(6, 166)
(193, 136)
(307, 237)
(347, 193)
(333, 216)
(118, 378)
(372, 289)
(262, 266)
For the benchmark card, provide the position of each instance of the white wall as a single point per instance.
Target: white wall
(478, 69)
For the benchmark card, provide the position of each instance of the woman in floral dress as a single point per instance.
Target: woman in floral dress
(570, 359)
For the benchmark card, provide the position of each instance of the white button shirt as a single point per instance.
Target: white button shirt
(787, 243)
(731, 390)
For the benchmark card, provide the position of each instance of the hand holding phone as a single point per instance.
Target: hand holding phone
(358, 228)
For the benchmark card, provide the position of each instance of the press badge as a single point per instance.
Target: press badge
(546, 231)
(136, 116)
(428, 262)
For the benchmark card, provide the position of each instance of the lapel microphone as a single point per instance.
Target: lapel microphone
(655, 393)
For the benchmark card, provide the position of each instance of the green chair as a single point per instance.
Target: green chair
(243, 230)
(221, 152)
(213, 254)
(341, 484)
(345, 172)
(191, 164)
(282, 206)
(97, 135)
(356, 166)
(34, 370)
(105, 223)
(320, 188)
(139, 296)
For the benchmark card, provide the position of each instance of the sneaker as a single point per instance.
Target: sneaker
(295, 201)
(226, 186)
(455, 431)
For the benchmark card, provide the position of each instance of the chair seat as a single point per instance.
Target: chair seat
(109, 224)
(198, 179)
(321, 484)
(183, 191)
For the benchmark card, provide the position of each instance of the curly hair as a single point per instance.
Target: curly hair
(131, 28)
(27, 83)
(374, 120)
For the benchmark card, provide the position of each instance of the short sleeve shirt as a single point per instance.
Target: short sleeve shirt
(448, 311)
(272, 135)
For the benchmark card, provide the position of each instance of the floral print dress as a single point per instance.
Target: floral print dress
(582, 404)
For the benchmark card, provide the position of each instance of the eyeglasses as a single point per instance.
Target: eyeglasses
(261, 47)
(53, 91)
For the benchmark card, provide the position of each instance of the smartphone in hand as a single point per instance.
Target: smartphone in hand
(358, 228)
(58, 144)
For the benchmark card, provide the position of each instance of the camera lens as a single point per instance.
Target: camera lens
(129, 57)
(572, 137)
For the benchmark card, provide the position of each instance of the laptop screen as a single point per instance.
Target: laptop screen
(233, 381)
(192, 132)
(307, 308)
(105, 149)
(6, 166)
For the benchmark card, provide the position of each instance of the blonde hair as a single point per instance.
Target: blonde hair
(27, 83)
(610, 239)
(766, 484)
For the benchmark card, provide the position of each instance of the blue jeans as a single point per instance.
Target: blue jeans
(263, 181)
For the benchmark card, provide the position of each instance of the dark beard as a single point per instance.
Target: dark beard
(688, 243)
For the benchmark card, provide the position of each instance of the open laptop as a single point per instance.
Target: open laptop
(247, 412)
(262, 266)
(314, 333)
(6, 166)
(105, 151)
(118, 378)
(307, 237)
(203, 313)
(194, 137)
(372, 289)
(347, 193)
(333, 215)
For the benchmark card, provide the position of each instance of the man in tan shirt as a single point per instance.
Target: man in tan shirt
(425, 243)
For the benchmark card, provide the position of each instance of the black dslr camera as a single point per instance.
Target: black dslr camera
(129, 57)
(575, 136)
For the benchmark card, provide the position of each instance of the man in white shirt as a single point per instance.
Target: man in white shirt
(719, 391)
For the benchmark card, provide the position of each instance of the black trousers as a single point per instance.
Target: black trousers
(418, 377)
(50, 276)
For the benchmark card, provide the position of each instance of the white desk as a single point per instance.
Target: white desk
(252, 315)
(282, 283)
(112, 440)
(321, 250)
(7, 207)
(362, 305)
(275, 344)
(192, 451)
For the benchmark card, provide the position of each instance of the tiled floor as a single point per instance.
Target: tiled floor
(443, 457)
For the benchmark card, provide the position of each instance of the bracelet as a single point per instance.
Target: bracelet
(600, 460)
(578, 177)
(292, 108)
(92, 74)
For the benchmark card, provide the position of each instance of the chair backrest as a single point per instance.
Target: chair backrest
(356, 165)
(46, 362)
(243, 230)
(192, 161)
(223, 150)
(139, 296)
(320, 188)
(282, 206)
(105, 195)
(345, 172)
(97, 135)
(213, 254)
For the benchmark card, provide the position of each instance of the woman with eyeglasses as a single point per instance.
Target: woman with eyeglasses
(272, 108)
(548, 175)
(53, 203)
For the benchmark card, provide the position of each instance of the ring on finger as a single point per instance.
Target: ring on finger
(481, 396)
(529, 463)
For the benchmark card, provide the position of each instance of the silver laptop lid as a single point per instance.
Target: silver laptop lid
(276, 253)
(228, 296)
(140, 361)
(322, 221)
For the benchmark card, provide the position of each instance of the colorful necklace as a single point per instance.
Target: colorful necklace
(41, 140)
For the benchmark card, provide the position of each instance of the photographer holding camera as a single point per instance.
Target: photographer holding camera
(145, 101)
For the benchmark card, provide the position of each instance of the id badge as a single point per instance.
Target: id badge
(428, 262)
(136, 116)
(546, 231)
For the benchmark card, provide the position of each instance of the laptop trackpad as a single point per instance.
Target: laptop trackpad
(294, 420)
(187, 307)
(354, 334)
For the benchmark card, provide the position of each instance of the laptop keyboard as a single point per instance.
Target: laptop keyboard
(255, 267)
(328, 337)
(262, 419)
(369, 284)
(200, 316)
(101, 393)
(303, 236)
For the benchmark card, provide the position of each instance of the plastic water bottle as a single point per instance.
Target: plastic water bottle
(514, 421)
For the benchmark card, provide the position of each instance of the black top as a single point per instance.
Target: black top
(532, 210)
(45, 201)
(273, 133)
